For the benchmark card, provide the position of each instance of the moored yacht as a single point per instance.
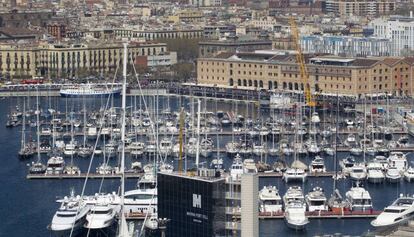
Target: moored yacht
(317, 165)
(358, 172)
(400, 211)
(375, 173)
(270, 200)
(316, 200)
(295, 208)
(236, 169)
(409, 174)
(102, 213)
(70, 216)
(393, 175)
(55, 165)
(358, 199)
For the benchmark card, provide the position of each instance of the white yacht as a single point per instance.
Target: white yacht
(358, 172)
(393, 175)
(102, 213)
(355, 151)
(136, 149)
(358, 199)
(70, 149)
(295, 208)
(55, 165)
(409, 174)
(375, 173)
(398, 160)
(70, 216)
(347, 164)
(166, 146)
(249, 166)
(316, 200)
(294, 174)
(259, 149)
(270, 200)
(400, 211)
(236, 169)
(317, 165)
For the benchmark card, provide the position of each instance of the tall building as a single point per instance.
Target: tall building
(346, 8)
(249, 205)
(195, 205)
(399, 30)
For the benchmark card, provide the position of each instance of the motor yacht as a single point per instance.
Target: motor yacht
(236, 169)
(375, 173)
(70, 217)
(70, 149)
(166, 146)
(347, 164)
(249, 166)
(398, 160)
(393, 175)
(399, 212)
(294, 174)
(358, 199)
(317, 165)
(136, 149)
(270, 200)
(358, 172)
(55, 165)
(316, 200)
(103, 211)
(409, 174)
(295, 208)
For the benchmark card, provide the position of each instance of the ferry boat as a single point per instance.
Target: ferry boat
(90, 90)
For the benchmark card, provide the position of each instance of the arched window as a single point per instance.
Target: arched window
(239, 82)
(261, 84)
(290, 86)
(296, 86)
(284, 85)
(255, 83)
(244, 82)
(250, 83)
(270, 85)
(231, 82)
(275, 85)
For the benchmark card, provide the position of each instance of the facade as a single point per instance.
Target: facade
(327, 74)
(57, 30)
(399, 30)
(346, 45)
(346, 8)
(212, 48)
(194, 205)
(70, 60)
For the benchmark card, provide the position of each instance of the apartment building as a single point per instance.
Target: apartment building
(43, 59)
(399, 30)
(327, 74)
(346, 8)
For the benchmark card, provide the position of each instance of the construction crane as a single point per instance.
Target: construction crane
(304, 75)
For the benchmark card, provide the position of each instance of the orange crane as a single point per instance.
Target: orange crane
(302, 66)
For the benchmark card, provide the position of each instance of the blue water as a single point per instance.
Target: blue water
(28, 205)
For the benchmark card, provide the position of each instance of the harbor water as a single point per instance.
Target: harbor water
(29, 205)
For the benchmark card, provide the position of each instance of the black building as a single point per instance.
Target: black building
(194, 205)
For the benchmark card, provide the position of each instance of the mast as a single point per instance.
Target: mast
(123, 231)
(198, 133)
(23, 142)
(336, 143)
(38, 125)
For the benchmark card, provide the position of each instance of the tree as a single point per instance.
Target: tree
(183, 71)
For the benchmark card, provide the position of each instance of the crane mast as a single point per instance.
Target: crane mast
(304, 75)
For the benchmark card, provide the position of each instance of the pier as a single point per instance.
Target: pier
(345, 214)
(83, 176)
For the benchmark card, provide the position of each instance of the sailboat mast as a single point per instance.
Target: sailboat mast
(123, 111)
(38, 125)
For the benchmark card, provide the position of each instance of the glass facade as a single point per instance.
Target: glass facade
(195, 206)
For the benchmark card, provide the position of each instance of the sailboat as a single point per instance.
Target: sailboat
(27, 150)
(37, 167)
